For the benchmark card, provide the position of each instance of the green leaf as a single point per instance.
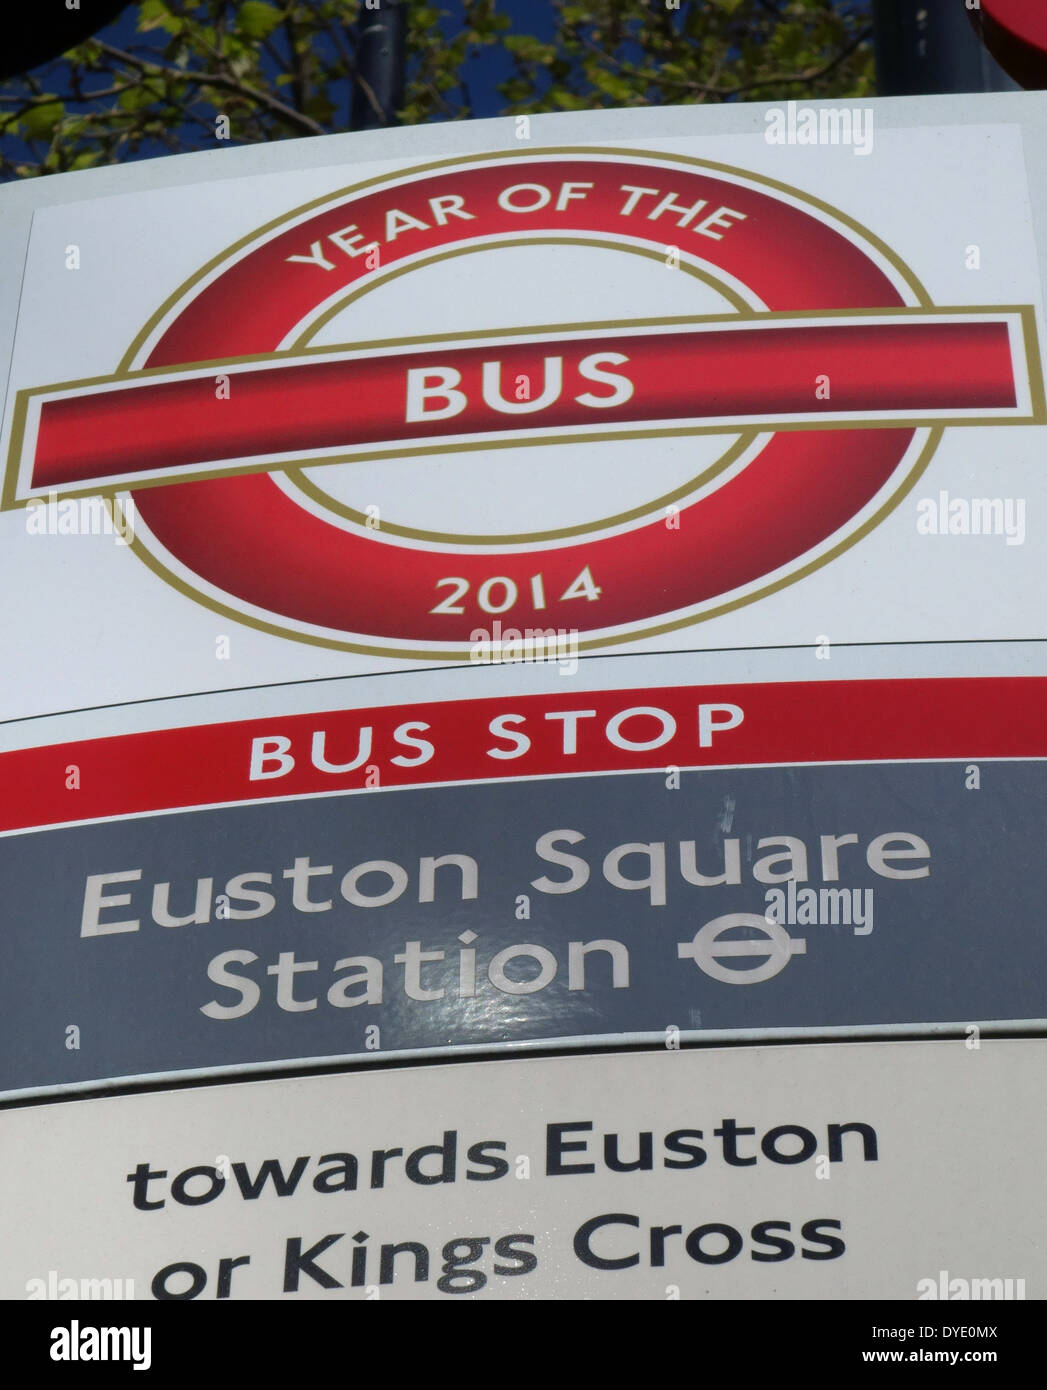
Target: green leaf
(40, 121)
(257, 20)
(154, 14)
(516, 89)
(568, 101)
(528, 49)
(614, 86)
(136, 98)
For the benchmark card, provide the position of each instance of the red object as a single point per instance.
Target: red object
(1015, 33)
(291, 563)
(791, 723)
(164, 426)
(248, 539)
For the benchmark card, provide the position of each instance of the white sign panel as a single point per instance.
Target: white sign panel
(649, 380)
(908, 1171)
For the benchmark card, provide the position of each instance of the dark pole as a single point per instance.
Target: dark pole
(381, 62)
(927, 46)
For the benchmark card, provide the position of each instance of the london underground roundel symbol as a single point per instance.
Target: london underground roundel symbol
(827, 381)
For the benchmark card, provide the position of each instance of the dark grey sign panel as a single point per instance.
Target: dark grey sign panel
(753, 902)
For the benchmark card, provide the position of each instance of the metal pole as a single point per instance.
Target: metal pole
(927, 46)
(381, 63)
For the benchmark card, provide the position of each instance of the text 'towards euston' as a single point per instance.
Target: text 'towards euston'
(611, 1241)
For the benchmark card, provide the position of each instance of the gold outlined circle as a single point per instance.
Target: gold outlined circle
(639, 155)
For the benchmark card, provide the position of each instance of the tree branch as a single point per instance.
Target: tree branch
(708, 89)
(216, 80)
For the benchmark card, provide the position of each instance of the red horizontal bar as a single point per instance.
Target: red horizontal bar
(789, 722)
(161, 425)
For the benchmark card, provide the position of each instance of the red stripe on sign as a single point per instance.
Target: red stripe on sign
(322, 406)
(526, 736)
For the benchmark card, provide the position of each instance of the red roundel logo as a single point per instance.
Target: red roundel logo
(590, 390)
